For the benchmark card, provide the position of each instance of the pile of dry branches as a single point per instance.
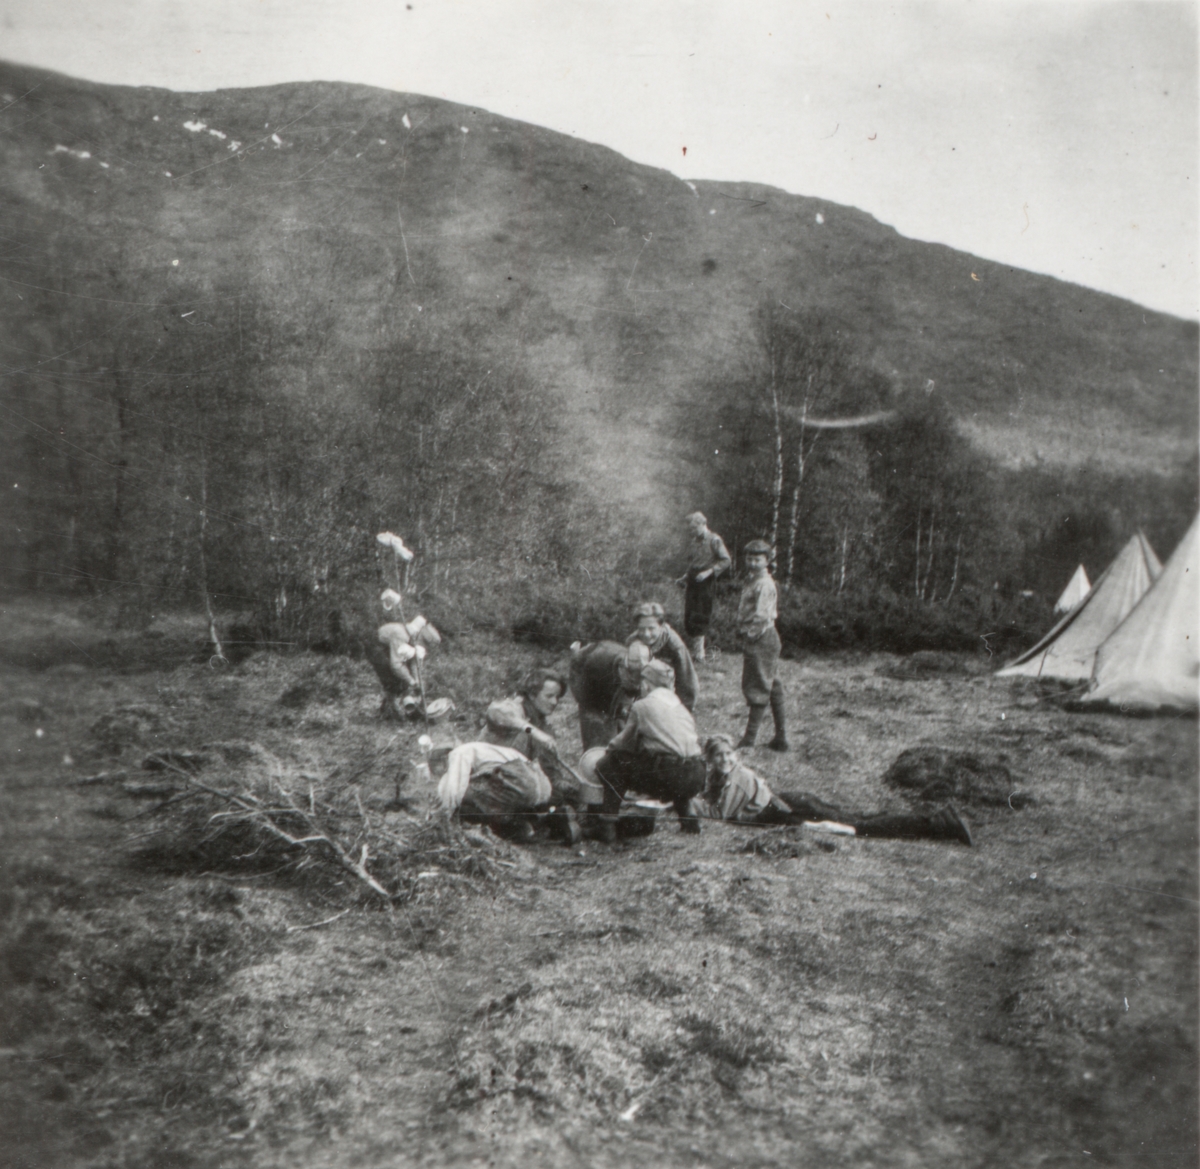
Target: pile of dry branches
(255, 811)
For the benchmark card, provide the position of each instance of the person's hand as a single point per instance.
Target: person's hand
(704, 575)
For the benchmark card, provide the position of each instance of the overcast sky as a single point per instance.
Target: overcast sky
(1057, 137)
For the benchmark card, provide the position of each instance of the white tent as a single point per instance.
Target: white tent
(1153, 658)
(1068, 651)
(1077, 588)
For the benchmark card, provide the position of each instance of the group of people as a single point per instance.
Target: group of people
(636, 702)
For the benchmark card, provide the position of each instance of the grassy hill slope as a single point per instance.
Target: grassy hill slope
(355, 212)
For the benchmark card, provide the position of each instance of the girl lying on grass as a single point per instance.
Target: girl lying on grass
(733, 792)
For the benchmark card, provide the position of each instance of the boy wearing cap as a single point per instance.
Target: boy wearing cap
(757, 610)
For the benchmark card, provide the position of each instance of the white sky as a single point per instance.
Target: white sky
(1059, 137)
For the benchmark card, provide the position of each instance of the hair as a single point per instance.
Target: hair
(649, 609)
(658, 673)
(637, 653)
(532, 682)
(698, 515)
(710, 744)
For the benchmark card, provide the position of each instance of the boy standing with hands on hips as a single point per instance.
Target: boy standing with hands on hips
(757, 610)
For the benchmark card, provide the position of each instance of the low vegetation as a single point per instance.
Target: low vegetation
(189, 992)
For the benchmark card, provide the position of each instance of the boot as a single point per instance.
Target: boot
(947, 824)
(779, 742)
(697, 648)
(606, 829)
(752, 724)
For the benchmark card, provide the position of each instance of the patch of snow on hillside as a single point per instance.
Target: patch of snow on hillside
(693, 186)
(195, 127)
(234, 146)
(61, 149)
(407, 124)
(155, 118)
(464, 129)
(381, 141)
(105, 165)
(218, 134)
(277, 140)
(820, 217)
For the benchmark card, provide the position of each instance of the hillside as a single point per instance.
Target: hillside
(351, 211)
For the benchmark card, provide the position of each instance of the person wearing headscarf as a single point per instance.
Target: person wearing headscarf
(397, 649)
(732, 791)
(666, 645)
(657, 753)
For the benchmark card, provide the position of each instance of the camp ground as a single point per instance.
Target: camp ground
(1068, 651)
(514, 657)
(1132, 640)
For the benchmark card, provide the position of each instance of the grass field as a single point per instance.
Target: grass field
(744, 998)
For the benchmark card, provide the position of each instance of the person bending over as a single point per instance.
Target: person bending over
(497, 786)
(665, 644)
(657, 753)
(604, 680)
(732, 791)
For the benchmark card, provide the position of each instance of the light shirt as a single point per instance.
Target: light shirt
(659, 724)
(465, 761)
(757, 607)
(742, 797)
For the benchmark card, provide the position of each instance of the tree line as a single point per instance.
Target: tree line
(221, 445)
(869, 490)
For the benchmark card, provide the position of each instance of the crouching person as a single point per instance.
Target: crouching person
(734, 792)
(496, 786)
(521, 722)
(396, 653)
(657, 753)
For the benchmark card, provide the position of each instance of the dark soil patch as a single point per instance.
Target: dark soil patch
(934, 775)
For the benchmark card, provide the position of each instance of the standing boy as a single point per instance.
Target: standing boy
(757, 610)
(707, 559)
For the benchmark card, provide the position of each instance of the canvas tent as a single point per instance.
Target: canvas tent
(1153, 658)
(1068, 651)
(1077, 588)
